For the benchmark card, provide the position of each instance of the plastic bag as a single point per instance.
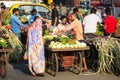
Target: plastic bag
(25, 56)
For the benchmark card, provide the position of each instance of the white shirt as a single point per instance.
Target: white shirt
(98, 13)
(59, 28)
(90, 23)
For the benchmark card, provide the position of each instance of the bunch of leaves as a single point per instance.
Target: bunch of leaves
(64, 39)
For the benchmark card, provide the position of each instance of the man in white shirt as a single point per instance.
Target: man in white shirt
(90, 22)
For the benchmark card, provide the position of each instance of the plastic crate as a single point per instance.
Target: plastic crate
(68, 61)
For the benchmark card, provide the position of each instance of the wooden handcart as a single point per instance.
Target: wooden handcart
(4, 57)
(72, 62)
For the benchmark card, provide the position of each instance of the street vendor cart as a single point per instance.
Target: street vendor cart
(4, 57)
(72, 61)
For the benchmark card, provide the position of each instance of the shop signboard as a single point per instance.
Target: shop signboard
(95, 2)
(117, 3)
(106, 3)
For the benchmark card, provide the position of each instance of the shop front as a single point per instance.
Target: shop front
(116, 7)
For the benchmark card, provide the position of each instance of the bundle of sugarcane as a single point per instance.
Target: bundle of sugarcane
(16, 45)
(109, 54)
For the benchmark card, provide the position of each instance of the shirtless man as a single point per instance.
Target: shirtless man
(77, 27)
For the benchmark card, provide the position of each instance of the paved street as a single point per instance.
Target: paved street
(20, 72)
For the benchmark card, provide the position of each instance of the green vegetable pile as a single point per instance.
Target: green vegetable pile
(64, 39)
(46, 32)
(3, 43)
(48, 38)
(99, 30)
(118, 20)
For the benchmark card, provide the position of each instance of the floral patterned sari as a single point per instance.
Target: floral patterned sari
(36, 57)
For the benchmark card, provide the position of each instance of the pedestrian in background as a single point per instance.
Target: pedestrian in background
(5, 15)
(90, 22)
(103, 14)
(54, 15)
(79, 14)
(32, 16)
(1, 4)
(16, 23)
(76, 3)
(69, 18)
(98, 12)
(110, 23)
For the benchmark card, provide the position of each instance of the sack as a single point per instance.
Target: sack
(25, 56)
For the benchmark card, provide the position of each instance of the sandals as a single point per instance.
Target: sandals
(84, 71)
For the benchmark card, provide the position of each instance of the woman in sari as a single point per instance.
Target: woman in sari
(35, 45)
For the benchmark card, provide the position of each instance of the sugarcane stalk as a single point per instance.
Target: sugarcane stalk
(109, 52)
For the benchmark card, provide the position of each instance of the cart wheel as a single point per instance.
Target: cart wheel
(54, 64)
(3, 70)
(87, 53)
(78, 63)
(95, 66)
(80, 60)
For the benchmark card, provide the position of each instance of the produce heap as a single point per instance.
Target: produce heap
(23, 19)
(9, 40)
(3, 38)
(109, 54)
(3, 43)
(118, 20)
(62, 42)
(99, 30)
